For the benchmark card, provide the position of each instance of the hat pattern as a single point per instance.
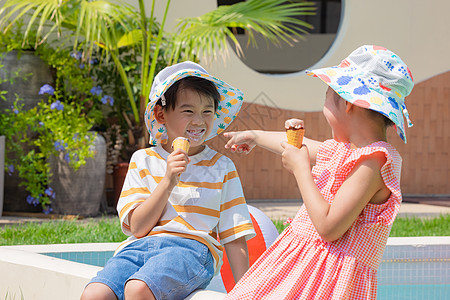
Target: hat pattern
(375, 78)
(230, 103)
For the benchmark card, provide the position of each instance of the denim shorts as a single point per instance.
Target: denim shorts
(172, 267)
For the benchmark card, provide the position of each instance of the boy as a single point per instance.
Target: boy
(174, 204)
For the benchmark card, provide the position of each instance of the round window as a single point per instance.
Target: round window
(285, 59)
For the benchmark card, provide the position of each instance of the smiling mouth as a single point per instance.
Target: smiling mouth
(195, 134)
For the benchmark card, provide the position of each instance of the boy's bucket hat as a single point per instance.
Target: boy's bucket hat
(229, 104)
(375, 78)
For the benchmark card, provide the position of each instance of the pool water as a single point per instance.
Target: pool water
(414, 292)
(399, 291)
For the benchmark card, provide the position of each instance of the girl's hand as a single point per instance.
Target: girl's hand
(294, 123)
(176, 164)
(240, 141)
(295, 159)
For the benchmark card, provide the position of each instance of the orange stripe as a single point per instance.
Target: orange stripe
(127, 227)
(209, 163)
(197, 238)
(231, 175)
(150, 152)
(234, 230)
(206, 185)
(230, 204)
(132, 166)
(141, 190)
(162, 223)
(197, 210)
(145, 172)
(180, 220)
(127, 206)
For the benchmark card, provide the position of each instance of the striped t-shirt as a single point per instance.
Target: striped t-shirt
(208, 201)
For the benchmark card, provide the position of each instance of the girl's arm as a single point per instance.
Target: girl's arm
(145, 216)
(245, 141)
(237, 254)
(363, 185)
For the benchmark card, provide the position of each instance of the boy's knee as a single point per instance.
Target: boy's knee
(137, 289)
(98, 291)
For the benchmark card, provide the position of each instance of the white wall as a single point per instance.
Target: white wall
(414, 29)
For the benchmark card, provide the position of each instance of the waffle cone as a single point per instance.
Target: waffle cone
(295, 136)
(181, 143)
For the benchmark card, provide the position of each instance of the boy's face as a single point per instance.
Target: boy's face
(192, 118)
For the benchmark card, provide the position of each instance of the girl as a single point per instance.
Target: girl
(333, 247)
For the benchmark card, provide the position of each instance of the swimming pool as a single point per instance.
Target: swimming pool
(412, 268)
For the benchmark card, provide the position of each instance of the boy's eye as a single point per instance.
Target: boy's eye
(188, 111)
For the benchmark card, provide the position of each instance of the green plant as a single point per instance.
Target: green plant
(59, 124)
(49, 128)
(112, 28)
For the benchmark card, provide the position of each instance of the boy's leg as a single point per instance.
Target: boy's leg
(174, 267)
(118, 270)
(137, 289)
(98, 291)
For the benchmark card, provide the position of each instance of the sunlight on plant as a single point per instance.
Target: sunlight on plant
(109, 26)
(9, 296)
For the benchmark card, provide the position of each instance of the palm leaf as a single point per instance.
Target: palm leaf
(101, 22)
(273, 19)
(44, 10)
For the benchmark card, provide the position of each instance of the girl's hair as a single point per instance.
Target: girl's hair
(386, 121)
(201, 85)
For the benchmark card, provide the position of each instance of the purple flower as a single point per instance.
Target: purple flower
(15, 110)
(93, 61)
(81, 66)
(67, 157)
(96, 90)
(57, 105)
(76, 55)
(60, 145)
(47, 209)
(107, 99)
(32, 200)
(10, 170)
(50, 192)
(46, 89)
(41, 123)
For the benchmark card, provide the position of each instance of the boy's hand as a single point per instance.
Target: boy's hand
(293, 123)
(240, 141)
(295, 159)
(176, 164)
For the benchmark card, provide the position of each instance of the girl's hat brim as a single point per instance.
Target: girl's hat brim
(375, 78)
(230, 102)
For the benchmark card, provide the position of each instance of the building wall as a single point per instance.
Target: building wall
(426, 159)
(415, 30)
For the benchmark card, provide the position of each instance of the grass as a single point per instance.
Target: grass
(108, 230)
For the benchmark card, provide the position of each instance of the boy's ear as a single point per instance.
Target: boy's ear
(160, 115)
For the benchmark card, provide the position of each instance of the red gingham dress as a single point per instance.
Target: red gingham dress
(300, 265)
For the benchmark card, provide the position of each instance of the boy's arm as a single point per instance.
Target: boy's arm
(145, 216)
(237, 254)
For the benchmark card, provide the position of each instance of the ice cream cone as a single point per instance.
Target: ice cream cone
(295, 136)
(181, 143)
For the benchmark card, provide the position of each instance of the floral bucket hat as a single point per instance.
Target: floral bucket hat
(230, 102)
(375, 78)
